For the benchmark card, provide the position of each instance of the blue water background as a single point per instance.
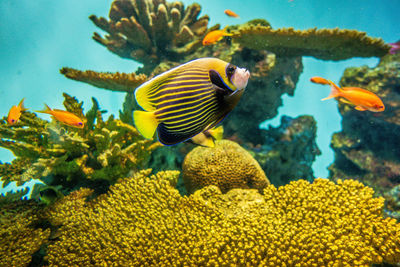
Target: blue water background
(37, 38)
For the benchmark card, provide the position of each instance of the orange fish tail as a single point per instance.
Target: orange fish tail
(21, 105)
(47, 110)
(335, 91)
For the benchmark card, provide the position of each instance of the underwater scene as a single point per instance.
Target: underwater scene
(208, 133)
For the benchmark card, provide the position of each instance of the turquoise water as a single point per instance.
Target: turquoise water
(38, 38)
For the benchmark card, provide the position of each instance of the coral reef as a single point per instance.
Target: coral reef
(151, 31)
(20, 237)
(101, 152)
(227, 165)
(326, 44)
(114, 81)
(366, 148)
(318, 224)
(289, 150)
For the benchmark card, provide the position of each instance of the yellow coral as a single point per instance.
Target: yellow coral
(326, 44)
(144, 221)
(121, 82)
(19, 238)
(226, 165)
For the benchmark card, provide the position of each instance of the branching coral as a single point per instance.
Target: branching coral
(145, 221)
(150, 31)
(121, 82)
(61, 155)
(226, 165)
(326, 44)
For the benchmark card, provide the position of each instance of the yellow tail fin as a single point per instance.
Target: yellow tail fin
(145, 122)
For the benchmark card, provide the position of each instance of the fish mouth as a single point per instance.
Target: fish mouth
(240, 78)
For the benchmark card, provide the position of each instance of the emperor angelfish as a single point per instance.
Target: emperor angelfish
(188, 99)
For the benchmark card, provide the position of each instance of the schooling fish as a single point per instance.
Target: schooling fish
(188, 99)
(361, 98)
(230, 13)
(207, 138)
(215, 36)
(63, 116)
(15, 112)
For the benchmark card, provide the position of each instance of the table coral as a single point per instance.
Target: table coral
(150, 31)
(144, 221)
(61, 155)
(326, 44)
(120, 82)
(226, 165)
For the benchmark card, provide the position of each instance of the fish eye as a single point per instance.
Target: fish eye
(12, 120)
(230, 70)
(80, 123)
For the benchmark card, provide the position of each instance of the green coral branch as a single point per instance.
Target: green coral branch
(64, 156)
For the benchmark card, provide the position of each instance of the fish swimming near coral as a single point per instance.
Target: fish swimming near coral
(207, 137)
(230, 13)
(215, 36)
(188, 99)
(64, 117)
(361, 98)
(15, 112)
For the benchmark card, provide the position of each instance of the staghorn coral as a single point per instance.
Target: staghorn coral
(366, 148)
(151, 31)
(289, 150)
(326, 44)
(318, 224)
(120, 82)
(19, 236)
(61, 155)
(227, 165)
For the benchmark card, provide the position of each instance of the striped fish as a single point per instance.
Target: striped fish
(188, 99)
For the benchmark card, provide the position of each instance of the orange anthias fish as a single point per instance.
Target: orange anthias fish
(230, 13)
(15, 112)
(63, 116)
(215, 36)
(361, 98)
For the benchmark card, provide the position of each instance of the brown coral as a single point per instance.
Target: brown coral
(149, 30)
(326, 44)
(121, 82)
(144, 221)
(226, 165)
(19, 239)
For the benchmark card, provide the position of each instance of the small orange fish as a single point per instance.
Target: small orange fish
(215, 36)
(361, 98)
(15, 112)
(230, 13)
(63, 116)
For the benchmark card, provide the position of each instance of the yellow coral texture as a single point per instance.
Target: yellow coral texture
(227, 165)
(143, 221)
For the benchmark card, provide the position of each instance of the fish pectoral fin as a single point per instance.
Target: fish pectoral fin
(203, 140)
(360, 108)
(145, 122)
(343, 100)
